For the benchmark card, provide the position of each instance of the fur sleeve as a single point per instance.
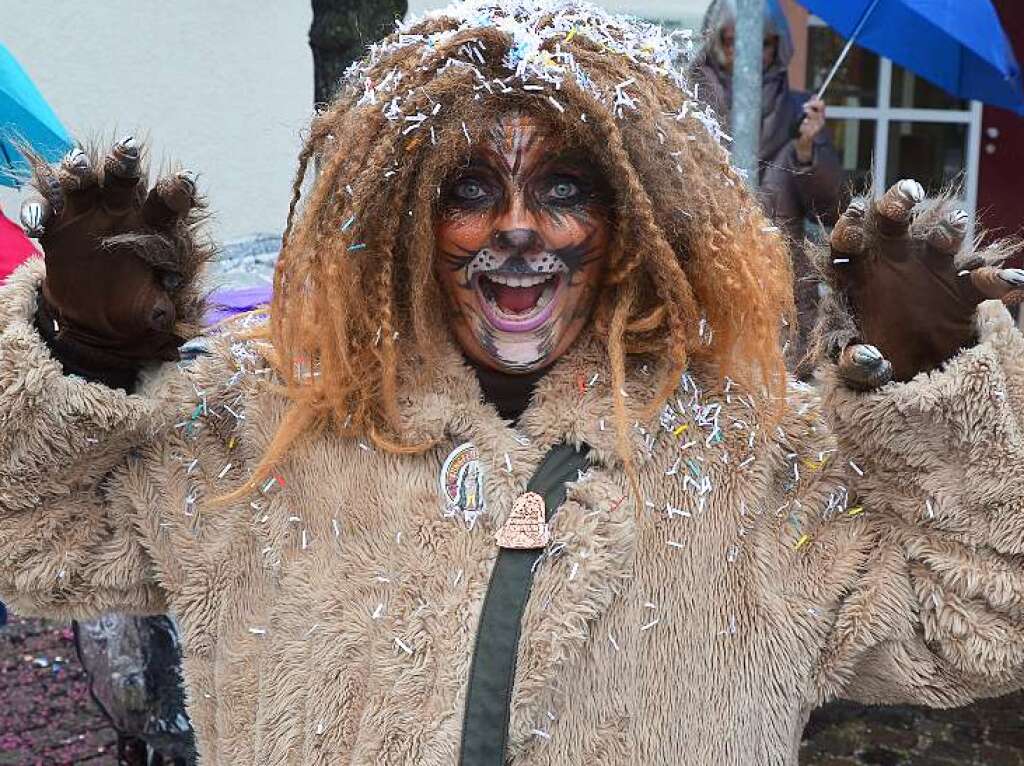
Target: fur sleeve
(68, 544)
(935, 614)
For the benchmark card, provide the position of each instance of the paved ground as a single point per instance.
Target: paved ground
(47, 718)
(990, 733)
(46, 715)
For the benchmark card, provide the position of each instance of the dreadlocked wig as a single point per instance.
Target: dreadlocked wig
(696, 271)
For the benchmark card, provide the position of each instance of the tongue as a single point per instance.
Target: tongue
(517, 300)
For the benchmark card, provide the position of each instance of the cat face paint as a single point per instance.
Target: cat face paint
(522, 244)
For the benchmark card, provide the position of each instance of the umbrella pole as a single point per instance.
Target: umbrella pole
(846, 49)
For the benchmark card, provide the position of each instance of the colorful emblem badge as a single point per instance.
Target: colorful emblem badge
(462, 483)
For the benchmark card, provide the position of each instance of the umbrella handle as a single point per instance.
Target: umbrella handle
(846, 49)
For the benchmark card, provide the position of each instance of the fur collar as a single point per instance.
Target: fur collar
(572, 403)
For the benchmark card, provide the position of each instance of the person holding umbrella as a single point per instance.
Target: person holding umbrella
(800, 174)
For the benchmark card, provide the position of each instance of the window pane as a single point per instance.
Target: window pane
(911, 92)
(855, 142)
(856, 82)
(930, 152)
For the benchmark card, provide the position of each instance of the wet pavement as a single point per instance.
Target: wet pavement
(46, 714)
(988, 733)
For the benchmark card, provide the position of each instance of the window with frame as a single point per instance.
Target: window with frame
(887, 123)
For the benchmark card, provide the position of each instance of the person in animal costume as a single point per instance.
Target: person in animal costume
(510, 471)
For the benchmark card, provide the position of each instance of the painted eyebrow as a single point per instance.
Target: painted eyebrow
(489, 166)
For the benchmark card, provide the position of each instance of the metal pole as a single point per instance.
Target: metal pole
(746, 86)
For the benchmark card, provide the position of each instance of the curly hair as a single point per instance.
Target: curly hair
(690, 252)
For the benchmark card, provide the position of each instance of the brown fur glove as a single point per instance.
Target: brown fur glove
(904, 287)
(122, 264)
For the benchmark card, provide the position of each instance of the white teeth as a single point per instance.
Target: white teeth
(545, 298)
(519, 280)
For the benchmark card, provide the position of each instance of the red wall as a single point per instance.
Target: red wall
(1001, 176)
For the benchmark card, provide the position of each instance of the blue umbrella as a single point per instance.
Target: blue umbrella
(957, 44)
(24, 116)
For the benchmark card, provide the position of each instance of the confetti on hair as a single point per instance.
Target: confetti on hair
(537, 58)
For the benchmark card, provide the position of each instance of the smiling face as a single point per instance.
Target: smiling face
(521, 246)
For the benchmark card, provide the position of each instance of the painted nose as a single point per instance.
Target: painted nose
(516, 241)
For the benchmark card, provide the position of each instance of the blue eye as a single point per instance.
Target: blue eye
(563, 190)
(470, 190)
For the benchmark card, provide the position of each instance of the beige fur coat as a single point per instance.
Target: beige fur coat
(331, 619)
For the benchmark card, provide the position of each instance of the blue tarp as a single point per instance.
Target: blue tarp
(24, 116)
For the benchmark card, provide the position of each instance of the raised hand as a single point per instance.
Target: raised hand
(122, 260)
(905, 286)
(811, 125)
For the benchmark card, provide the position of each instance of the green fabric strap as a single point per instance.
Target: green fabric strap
(485, 727)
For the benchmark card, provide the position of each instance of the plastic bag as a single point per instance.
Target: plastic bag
(134, 666)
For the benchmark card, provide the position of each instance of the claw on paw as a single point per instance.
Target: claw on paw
(948, 235)
(995, 283)
(76, 171)
(178, 191)
(35, 214)
(862, 366)
(76, 159)
(899, 201)
(1013, 277)
(172, 198)
(125, 158)
(848, 233)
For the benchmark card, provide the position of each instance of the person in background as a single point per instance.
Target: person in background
(800, 174)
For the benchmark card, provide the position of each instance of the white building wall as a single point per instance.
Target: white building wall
(223, 87)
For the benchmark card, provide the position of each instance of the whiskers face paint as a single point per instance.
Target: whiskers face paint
(522, 245)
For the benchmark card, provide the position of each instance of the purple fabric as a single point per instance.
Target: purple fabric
(226, 303)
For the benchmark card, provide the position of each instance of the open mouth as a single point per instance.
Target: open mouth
(517, 302)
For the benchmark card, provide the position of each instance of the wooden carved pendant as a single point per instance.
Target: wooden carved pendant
(525, 528)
